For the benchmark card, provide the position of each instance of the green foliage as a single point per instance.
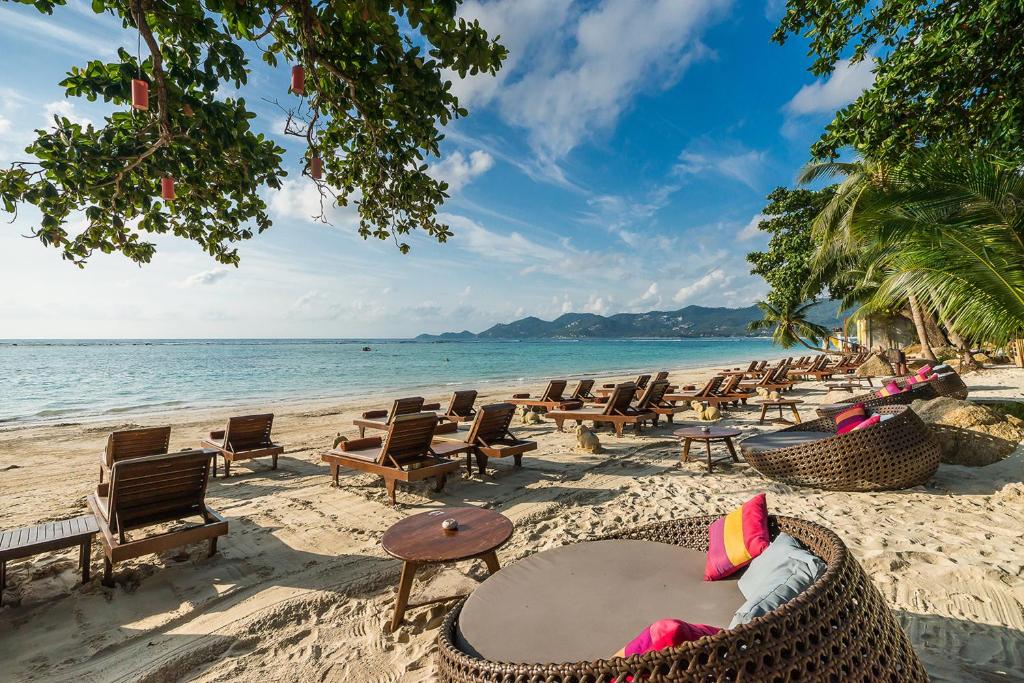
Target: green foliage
(786, 265)
(948, 71)
(945, 228)
(375, 96)
(789, 324)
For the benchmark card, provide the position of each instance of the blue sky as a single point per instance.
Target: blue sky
(617, 163)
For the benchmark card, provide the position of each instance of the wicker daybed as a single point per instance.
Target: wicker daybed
(922, 390)
(895, 454)
(947, 384)
(838, 629)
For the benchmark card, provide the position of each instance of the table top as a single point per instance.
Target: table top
(51, 534)
(713, 433)
(420, 537)
(780, 401)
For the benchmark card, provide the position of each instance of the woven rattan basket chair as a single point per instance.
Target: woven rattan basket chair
(950, 384)
(924, 391)
(839, 629)
(895, 454)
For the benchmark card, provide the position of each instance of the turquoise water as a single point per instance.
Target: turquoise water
(67, 381)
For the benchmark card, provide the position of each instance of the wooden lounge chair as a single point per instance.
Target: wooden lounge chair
(244, 438)
(729, 393)
(133, 443)
(551, 399)
(618, 411)
(640, 382)
(708, 389)
(489, 437)
(460, 407)
(653, 401)
(582, 391)
(382, 419)
(151, 490)
(776, 380)
(405, 453)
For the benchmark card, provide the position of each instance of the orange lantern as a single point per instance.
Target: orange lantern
(140, 94)
(316, 168)
(167, 187)
(298, 80)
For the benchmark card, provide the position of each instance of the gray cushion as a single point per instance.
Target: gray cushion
(775, 577)
(585, 601)
(774, 440)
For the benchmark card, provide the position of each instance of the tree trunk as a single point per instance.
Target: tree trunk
(922, 331)
(954, 337)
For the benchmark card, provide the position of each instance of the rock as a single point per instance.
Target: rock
(982, 358)
(531, 418)
(875, 366)
(969, 433)
(587, 440)
(709, 414)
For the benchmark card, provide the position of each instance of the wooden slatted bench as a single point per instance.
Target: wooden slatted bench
(32, 540)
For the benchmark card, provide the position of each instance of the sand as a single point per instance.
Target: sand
(301, 589)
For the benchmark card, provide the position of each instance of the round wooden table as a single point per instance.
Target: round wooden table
(419, 539)
(723, 434)
(780, 403)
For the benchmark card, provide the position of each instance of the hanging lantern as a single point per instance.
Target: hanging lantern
(167, 187)
(140, 94)
(298, 80)
(316, 168)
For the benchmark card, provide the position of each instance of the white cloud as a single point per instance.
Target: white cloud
(586, 65)
(510, 247)
(458, 170)
(5, 125)
(64, 109)
(49, 33)
(300, 199)
(598, 304)
(750, 230)
(742, 165)
(716, 278)
(207, 277)
(844, 85)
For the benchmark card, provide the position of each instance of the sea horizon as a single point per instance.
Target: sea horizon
(85, 380)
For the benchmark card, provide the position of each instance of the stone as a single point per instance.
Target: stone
(969, 433)
(587, 440)
(983, 358)
(875, 366)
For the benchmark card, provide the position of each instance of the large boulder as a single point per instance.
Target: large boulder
(875, 366)
(969, 433)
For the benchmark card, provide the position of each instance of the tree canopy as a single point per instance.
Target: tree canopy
(374, 98)
(948, 71)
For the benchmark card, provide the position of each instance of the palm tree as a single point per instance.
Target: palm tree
(789, 324)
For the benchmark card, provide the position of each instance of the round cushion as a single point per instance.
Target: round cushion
(771, 441)
(585, 601)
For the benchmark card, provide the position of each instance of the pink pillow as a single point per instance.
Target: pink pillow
(737, 538)
(666, 633)
(889, 389)
(873, 420)
(850, 418)
(913, 379)
(923, 372)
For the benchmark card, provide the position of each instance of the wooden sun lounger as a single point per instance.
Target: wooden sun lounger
(617, 411)
(582, 391)
(405, 454)
(244, 438)
(152, 490)
(729, 393)
(551, 399)
(133, 443)
(773, 381)
(708, 389)
(382, 419)
(460, 407)
(489, 437)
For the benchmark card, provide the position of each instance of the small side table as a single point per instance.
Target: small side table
(723, 434)
(32, 540)
(419, 540)
(781, 403)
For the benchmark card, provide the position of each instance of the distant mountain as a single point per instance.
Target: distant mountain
(691, 321)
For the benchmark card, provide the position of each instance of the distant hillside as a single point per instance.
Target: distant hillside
(691, 321)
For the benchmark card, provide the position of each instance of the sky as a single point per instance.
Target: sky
(618, 162)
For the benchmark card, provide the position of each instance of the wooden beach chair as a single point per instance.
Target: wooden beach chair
(708, 389)
(582, 391)
(460, 407)
(489, 437)
(244, 438)
(729, 393)
(776, 380)
(152, 490)
(551, 399)
(404, 454)
(133, 443)
(382, 419)
(618, 411)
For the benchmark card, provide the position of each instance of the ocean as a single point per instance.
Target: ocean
(56, 381)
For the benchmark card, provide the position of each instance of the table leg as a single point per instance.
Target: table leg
(491, 559)
(86, 557)
(732, 449)
(764, 411)
(707, 442)
(686, 449)
(796, 413)
(404, 586)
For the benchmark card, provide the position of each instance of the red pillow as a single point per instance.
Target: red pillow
(873, 420)
(737, 538)
(666, 633)
(850, 418)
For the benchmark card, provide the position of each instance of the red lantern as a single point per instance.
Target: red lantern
(167, 187)
(298, 80)
(140, 94)
(316, 168)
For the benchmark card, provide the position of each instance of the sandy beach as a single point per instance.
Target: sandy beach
(301, 589)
